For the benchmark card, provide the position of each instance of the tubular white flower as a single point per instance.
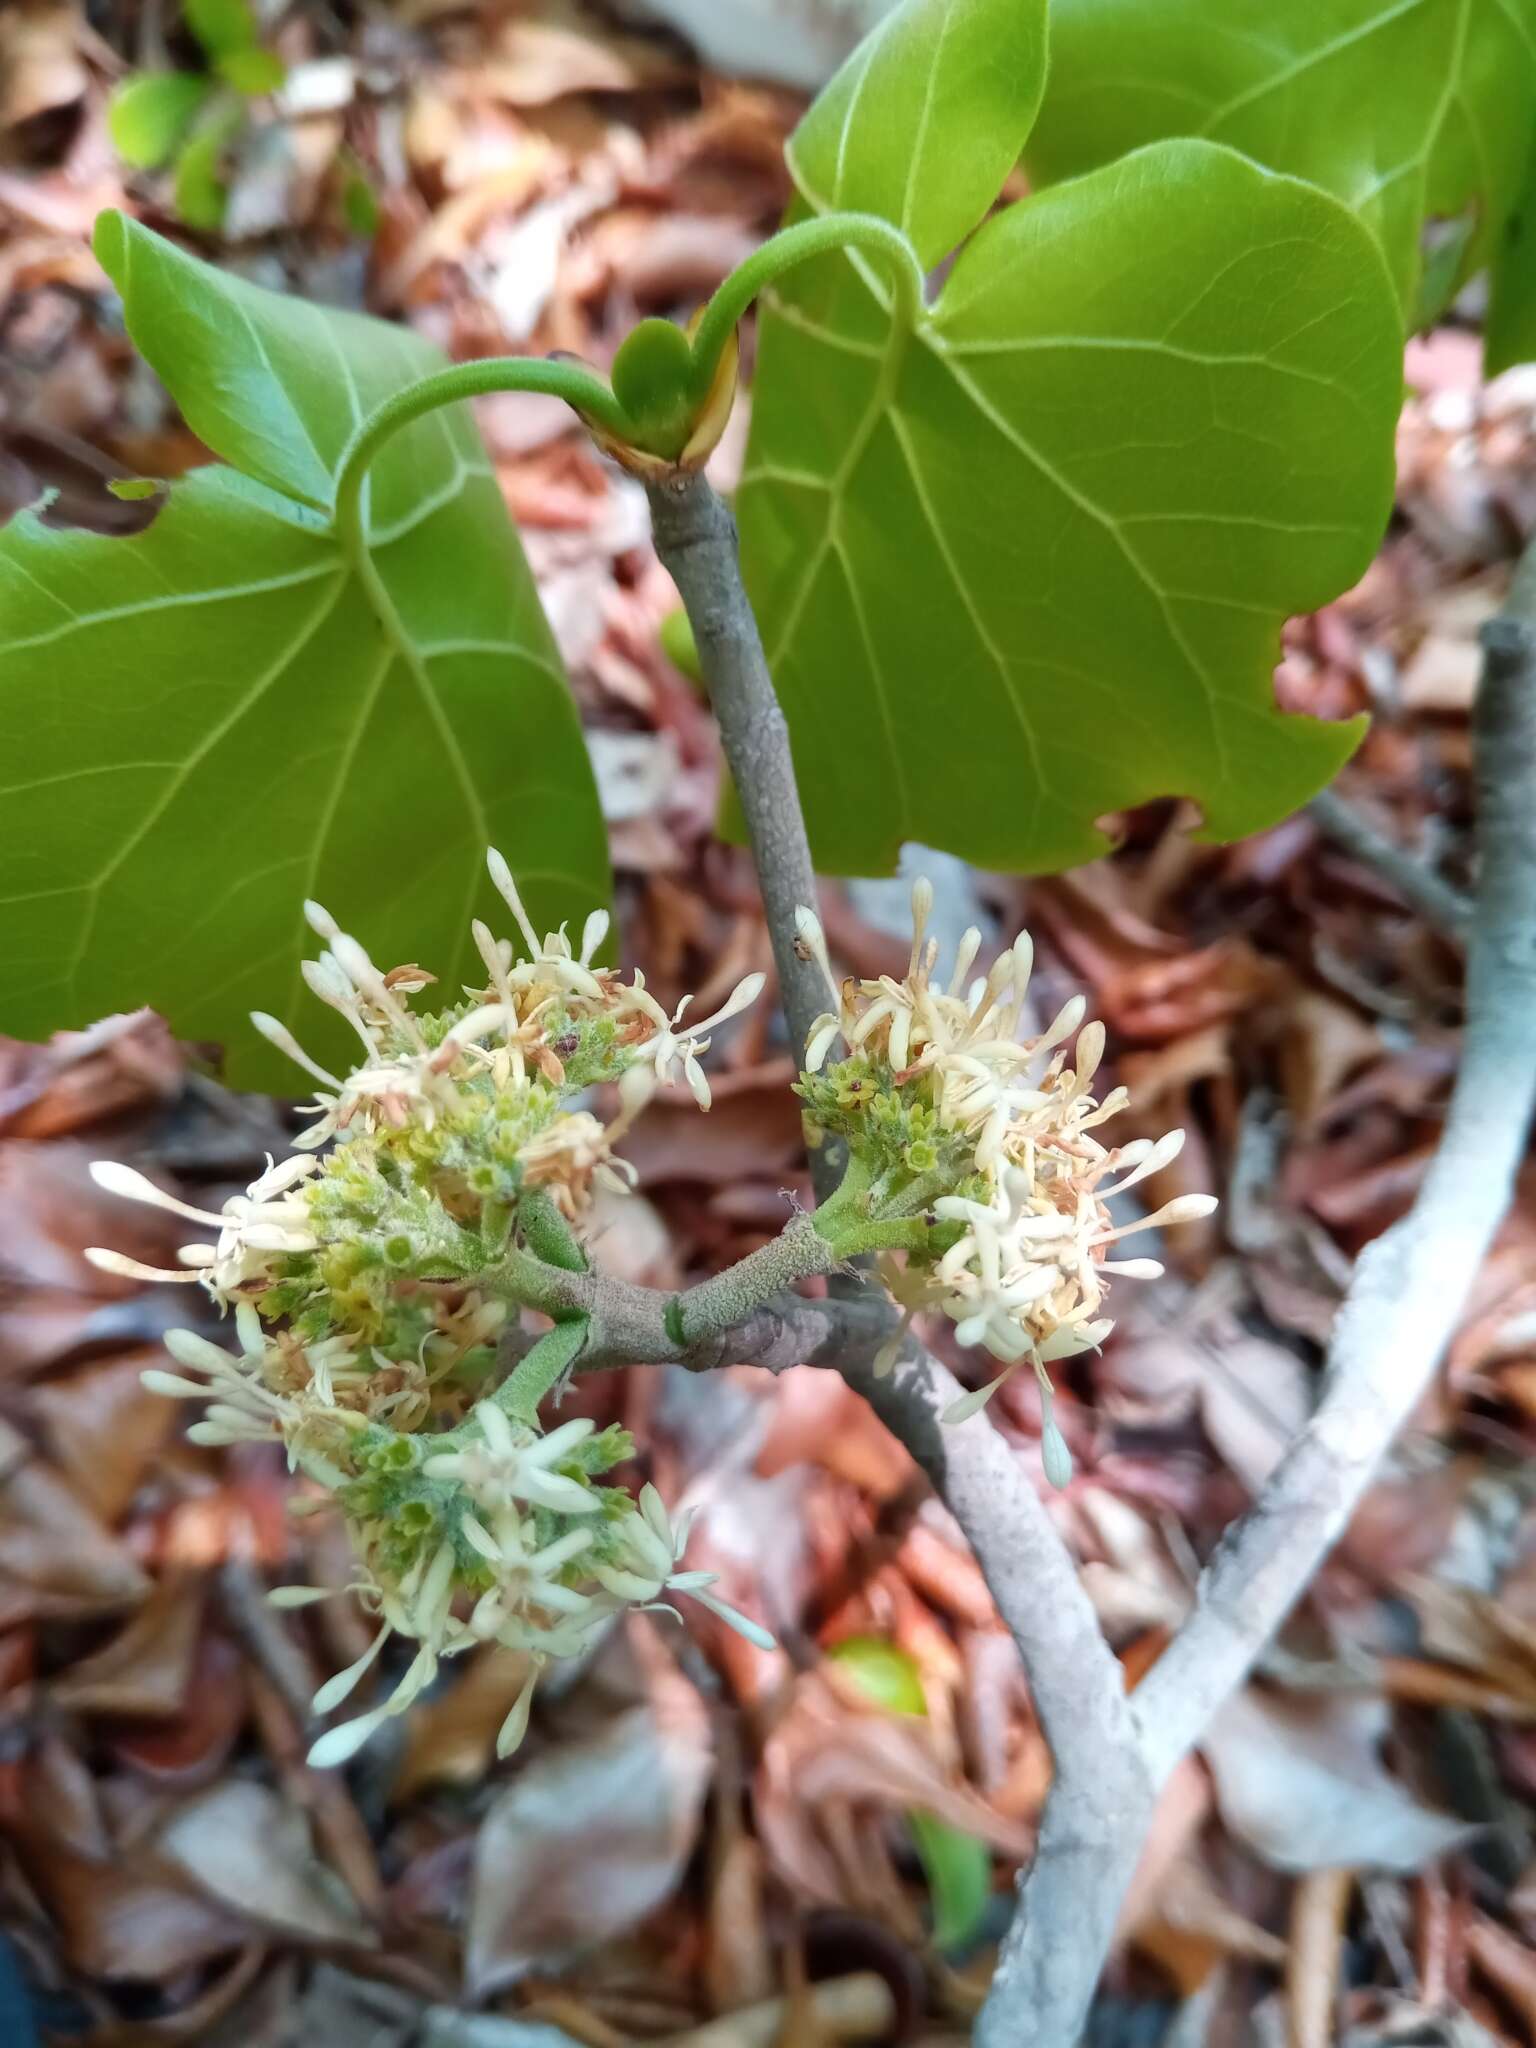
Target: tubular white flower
(265, 1223)
(653, 1548)
(509, 1465)
(1026, 1274)
(683, 1043)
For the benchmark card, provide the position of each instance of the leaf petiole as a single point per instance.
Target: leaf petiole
(783, 252)
(581, 389)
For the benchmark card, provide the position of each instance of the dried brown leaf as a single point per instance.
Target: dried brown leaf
(145, 1669)
(56, 1557)
(251, 1852)
(832, 1752)
(40, 67)
(1480, 1634)
(1302, 1783)
(105, 1428)
(189, 1748)
(589, 1837)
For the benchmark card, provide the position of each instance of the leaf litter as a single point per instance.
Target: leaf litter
(694, 1825)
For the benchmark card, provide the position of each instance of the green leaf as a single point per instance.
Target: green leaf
(221, 25)
(958, 1868)
(132, 488)
(1028, 565)
(207, 722)
(359, 202)
(201, 193)
(1509, 332)
(147, 116)
(252, 72)
(1411, 111)
(882, 1672)
(251, 371)
(927, 118)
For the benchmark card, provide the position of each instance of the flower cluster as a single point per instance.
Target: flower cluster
(367, 1279)
(960, 1114)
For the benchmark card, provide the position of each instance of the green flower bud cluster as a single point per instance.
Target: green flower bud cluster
(370, 1290)
(950, 1106)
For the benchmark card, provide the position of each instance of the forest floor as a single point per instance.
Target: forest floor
(697, 1828)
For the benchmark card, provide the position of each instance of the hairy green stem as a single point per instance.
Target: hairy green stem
(782, 252)
(556, 1352)
(728, 1298)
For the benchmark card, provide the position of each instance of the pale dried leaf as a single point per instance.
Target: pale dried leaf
(589, 1837)
(251, 1851)
(1302, 1783)
(56, 1558)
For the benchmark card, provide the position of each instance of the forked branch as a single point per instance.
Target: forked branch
(1111, 1755)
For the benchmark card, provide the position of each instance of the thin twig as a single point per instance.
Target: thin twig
(1111, 1755)
(1419, 886)
(1101, 1795)
(1410, 1286)
(696, 540)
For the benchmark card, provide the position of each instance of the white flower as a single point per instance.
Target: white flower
(242, 1408)
(525, 1579)
(266, 1223)
(508, 1464)
(1026, 1276)
(675, 1044)
(653, 1548)
(550, 962)
(422, 1609)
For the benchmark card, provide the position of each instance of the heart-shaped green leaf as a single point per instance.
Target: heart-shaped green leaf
(204, 724)
(1413, 112)
(1028, 564)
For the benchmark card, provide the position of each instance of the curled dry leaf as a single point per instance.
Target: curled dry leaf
(56, 1558)
(105, 1428)
(83, 1077)
(251, 1852)
(1480, 1634)
(1302, 1783)
(120, 1915)
(188, 1749)
(832, 1752)
(1193, 1929)
(145, 1669)
(589, 1837)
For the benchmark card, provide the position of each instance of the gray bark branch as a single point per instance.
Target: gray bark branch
(696, 540)
(1112, 1755)
(1436, 901)
(1100, 1792)
(1410, 1286)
